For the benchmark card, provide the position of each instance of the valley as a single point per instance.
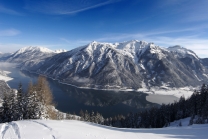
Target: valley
(109, 78)
(72, 99)
(103, 69)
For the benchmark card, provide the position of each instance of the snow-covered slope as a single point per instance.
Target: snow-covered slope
(182, 52)
(97, 65)
(41, 129)
(3, 76)
(127, 65)
(29, 53)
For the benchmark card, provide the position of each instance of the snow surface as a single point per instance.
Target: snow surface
(177, 92)
(4, 77)
(71, 129)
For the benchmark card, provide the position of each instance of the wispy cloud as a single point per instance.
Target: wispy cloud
(198, 45)
(193, 42)
(9, 11)
(9, 32)
(64, 7)
(148, 34)
(186, 10)
(195, 11)
(65, 40)
(75, 43)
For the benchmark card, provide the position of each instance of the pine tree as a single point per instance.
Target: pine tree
(45, 98)
(20, 103)
(92, 117)
(8, 113)
(87, 116)
(81, 113)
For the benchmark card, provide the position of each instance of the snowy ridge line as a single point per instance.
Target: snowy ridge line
(126, 65)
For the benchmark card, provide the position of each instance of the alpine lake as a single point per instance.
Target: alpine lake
(71, 99)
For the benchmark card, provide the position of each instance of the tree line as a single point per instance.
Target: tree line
(195, 107)
(36, 103)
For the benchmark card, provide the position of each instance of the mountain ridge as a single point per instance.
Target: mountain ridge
(128, 65)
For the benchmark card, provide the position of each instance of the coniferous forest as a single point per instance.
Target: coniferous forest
(37, 103)
(195, 107)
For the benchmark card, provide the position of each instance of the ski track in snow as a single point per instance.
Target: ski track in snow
(16, 129)
(10, 131)
(43, 125)
(71, 129)
(47, 127)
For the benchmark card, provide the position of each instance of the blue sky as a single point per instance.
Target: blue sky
(66, 24)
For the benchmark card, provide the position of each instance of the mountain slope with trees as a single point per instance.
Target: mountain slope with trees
(128, 65)
(36, 103)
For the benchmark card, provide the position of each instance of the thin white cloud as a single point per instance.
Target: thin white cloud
(65, 40)
(75, 43)
(193, 42)
(9, 11)
(87, 8)
(198, 45)
(64, 7)
(9, 32)
(158, 32)
(188, 10)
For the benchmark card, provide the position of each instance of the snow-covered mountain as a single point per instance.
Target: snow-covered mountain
(133, 64)
(182, 52)
(29, 53)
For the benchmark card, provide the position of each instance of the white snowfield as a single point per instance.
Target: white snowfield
(4, 76)
(70, 129)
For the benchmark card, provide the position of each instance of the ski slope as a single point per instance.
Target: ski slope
(70, 129)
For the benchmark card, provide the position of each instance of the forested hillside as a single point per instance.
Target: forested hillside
(195, 107)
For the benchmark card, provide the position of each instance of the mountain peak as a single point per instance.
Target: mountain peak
(33, 49)
(182, 51)
(94, 42)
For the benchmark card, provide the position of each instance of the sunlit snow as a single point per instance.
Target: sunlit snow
(70, 129)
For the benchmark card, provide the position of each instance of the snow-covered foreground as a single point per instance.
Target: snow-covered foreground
(69, 129)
